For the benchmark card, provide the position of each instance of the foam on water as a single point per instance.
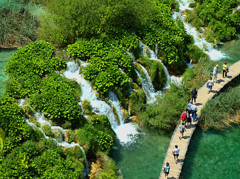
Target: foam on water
(99, 106)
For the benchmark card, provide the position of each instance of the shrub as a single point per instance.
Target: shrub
(87, 109)
(166, 111)
(218, 112)
(56, 101)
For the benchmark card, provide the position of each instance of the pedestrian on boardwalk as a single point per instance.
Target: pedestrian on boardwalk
(166, 169)
(225, 69)
(215, 72)
(182, 130)
(194, 110)
(184, 116)
(175, 153)
(210, 84)
(189, 106)
(189, 119)
(194, 95)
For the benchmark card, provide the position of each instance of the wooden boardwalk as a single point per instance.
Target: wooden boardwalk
(203, 97)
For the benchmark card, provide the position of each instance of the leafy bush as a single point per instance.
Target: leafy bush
(218, 18)
(87, 109)
(57, 102)
(166, 111)
(113, 20)
(97, 135)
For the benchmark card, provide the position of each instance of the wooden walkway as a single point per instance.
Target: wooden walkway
(203, 97)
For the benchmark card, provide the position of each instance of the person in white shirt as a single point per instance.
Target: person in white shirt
(175, 153)
(210, 84)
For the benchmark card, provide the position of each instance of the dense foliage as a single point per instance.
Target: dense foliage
(42, 159)
(166, 111)
(105, 60)
(150, 20)
(220, 21)
(97, 135)
(220, 112)
(32, 74)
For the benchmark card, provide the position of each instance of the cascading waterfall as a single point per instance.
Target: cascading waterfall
(153, 56)
(198, 37)
(41, 119)
(147, 85)
(87, 93)
(124, 132)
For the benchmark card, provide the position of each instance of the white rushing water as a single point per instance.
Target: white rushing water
(199, 40)
(124, 132)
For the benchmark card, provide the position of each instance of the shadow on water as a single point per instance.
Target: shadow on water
(191, 153)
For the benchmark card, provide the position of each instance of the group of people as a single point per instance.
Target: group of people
(189, 115)
(213, 79)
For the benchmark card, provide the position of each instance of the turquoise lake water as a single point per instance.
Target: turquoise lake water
(142, 159)
(213, 154)
(5, 55)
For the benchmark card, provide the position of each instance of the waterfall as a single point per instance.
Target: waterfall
(41, 119)
(198, 37)
(113, 99)
(124, 133)
(154, 56)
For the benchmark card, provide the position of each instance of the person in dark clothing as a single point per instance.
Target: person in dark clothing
(194, 95)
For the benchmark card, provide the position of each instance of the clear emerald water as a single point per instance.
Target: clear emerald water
(232, 50)
(213, 154)
(5, 55)
(143, 159)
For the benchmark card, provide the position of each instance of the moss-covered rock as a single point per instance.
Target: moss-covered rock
(87, 109)
(47, 130)
(155, 70)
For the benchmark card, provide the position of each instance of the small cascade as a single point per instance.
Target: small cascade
(41, 119)
(147, 86)
(130, 53)
(234, 10)
(153, 56)
(198, 37)
(99, 106)
(113, 99)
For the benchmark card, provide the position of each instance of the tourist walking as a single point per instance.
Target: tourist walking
(210, 84)
(166, 169)
(190, 105)
(182, 130)
(215, 72)
(189, 119)
(225, 69)
(184, 116)
(194, 95)
(175, 153)
(194, 110)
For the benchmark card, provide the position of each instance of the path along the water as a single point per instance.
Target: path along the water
(203, 97)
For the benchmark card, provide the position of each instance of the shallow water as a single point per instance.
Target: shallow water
(213, 154)
(5, 55)
(142, 159)
(232, 50)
